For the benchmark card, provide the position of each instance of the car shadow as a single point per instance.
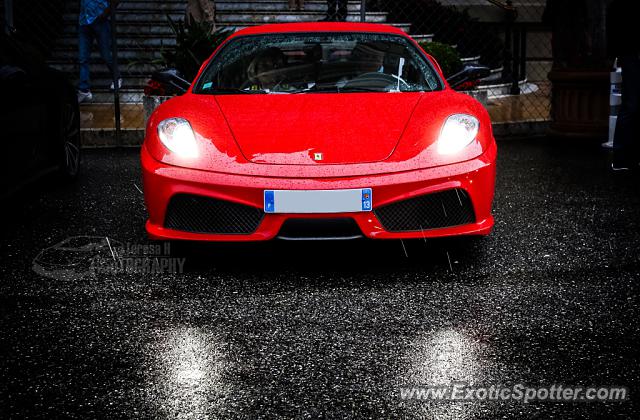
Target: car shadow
(336, 257)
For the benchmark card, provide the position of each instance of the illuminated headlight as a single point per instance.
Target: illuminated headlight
(457, 133)
(176, 134)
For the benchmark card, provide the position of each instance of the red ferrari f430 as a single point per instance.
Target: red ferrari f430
(319, 131)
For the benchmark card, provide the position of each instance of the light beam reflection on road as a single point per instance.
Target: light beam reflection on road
(442, 358)
(188, 382)
(450, 356)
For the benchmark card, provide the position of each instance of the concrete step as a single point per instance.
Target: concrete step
(160, 18)
(125, 55)
(159, 28)
(101, 80)
(270, 17)
(163, 29)
(127, 7)
(175, 6)
(129, 84)
(70, 42)
(241, 25)
(143, 49)
(127, 96)
(127, 16)
(100, 74)
(423, 38)
(148, 4)
(274, 5)
(176, 9)
(406, 27)
(96, 67)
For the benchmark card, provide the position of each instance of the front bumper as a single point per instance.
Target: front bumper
(476, 177)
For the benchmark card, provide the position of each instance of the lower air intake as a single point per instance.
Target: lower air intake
(196, 214)
(431, 211)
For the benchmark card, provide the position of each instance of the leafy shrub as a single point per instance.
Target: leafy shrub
(195, 42)
(445, 55)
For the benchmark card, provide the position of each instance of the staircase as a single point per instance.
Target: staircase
(242, 13)
(143, 31)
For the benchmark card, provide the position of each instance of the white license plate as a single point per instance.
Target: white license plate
(317, 201)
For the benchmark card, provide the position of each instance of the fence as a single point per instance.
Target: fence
(509, 37)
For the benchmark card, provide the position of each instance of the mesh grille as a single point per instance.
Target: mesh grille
(197, 214)
(298, 229)
(431, 211)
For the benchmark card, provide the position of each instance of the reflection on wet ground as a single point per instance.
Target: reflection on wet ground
(329, 329)
(444, 357)
(186, 369)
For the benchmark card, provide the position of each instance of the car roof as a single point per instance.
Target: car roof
(320, 27)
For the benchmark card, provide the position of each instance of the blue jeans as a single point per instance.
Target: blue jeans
(626, 141)
(101, 32)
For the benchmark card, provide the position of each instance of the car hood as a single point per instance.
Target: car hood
(317, 129)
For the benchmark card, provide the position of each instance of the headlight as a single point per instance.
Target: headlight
(457, 133)
(176, 134)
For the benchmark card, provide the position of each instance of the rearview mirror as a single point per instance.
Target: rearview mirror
(172, 80)
(469, 73)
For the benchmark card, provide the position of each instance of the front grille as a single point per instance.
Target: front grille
(319, 229)
(192, 213)
(430, 211)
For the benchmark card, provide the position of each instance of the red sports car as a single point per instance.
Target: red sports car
(319, 131)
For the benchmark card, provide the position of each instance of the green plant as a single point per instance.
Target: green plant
(447, 56)
(195, 42)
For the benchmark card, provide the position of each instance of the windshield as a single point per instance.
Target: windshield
(306, 63)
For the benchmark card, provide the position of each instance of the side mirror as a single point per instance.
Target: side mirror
(469, 73)
(172, 80)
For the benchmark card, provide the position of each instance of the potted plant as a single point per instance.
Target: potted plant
(447, 56)
(452, 65)
(195, 42)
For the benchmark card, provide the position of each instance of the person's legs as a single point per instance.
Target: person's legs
(103, 35)
(626, 148)
(85, 41)
(342, 12)
(331, 9)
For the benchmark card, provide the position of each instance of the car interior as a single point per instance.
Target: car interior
(319, 65)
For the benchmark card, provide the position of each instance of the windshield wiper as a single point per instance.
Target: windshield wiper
(223, 91)
(364, 89)
(317, 88)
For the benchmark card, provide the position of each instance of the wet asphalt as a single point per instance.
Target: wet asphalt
(332, 330)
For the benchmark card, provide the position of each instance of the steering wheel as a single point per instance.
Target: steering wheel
(375, 80)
